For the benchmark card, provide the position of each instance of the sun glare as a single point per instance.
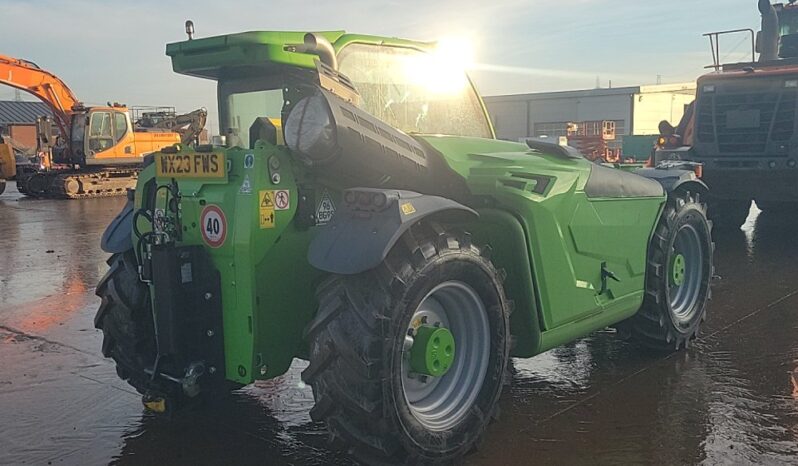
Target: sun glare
(443, 70)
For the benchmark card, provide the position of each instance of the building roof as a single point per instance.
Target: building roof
(22, 113)
(682, 88)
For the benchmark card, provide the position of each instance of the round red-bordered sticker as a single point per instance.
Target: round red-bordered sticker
(213, 225)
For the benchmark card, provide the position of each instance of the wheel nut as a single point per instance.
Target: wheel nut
(208, 296)
(210, 333)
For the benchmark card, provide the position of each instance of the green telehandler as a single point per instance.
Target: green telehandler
(363, 217)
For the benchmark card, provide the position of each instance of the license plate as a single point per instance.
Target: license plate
(190, 166)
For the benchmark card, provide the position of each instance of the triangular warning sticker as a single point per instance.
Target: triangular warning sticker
(325, 209)
(246, 186)
(266, 199)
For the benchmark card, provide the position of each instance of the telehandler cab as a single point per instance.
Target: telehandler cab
(389, 239)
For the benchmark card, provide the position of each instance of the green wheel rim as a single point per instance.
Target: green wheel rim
(678, 269)
(687, 274)
(432, 352)
(452, 310)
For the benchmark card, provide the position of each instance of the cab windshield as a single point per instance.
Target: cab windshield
(409, 90)
(402, 87)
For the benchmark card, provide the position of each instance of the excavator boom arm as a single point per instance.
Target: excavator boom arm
(49, 88)
(188, 125)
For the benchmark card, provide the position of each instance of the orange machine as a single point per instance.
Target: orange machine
(8, 167)
(99, 149)
(591, 138)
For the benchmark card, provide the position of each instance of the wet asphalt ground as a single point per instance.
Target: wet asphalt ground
(730, 399)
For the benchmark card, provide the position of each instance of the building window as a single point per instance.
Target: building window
(620, 132)
(551, 130)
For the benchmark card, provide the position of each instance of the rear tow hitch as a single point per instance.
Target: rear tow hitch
(160, 403)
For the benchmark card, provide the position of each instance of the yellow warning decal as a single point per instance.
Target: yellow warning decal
(266, 209)
(266, 199)
(266, 218)
(407, 208)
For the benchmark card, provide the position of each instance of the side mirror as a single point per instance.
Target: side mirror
(758, 46)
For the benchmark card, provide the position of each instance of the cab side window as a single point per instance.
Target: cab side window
(100, 133)
(120, 126)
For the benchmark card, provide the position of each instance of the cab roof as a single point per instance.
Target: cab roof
(256, 52)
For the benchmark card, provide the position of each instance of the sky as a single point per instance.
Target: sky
(113, 50)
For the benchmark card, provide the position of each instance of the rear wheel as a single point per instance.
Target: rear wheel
(407, 360)
(679, 274)
(125, 319)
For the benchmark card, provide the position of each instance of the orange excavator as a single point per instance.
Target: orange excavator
(99, 149)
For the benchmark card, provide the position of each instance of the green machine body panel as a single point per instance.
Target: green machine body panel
(554, 240)
(568, 235)
(247, 53)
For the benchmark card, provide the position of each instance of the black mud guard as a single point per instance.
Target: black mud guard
(369, 224)
(117, 238)
(673, 178)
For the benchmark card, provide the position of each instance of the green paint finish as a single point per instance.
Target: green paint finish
(568, 234)
(265, 307)
(678, 268)
(545, 232)
(506, 236)
(265, 52)
(433, 351)
(234, 54)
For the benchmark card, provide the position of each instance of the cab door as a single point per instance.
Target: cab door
(101, 136)
(107, 128)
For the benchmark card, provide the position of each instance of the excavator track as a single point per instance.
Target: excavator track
(72, 184)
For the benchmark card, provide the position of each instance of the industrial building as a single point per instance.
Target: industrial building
(18, 120)
(635, 110)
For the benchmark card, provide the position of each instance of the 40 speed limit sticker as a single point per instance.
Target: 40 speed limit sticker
(213, 225)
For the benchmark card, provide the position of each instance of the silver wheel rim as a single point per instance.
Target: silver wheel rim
(439, 403)
(683, 297)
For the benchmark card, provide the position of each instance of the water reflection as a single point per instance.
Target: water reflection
(731, 399)
(265, 423)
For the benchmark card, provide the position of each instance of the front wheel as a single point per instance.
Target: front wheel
(407, 361)
(679, 274)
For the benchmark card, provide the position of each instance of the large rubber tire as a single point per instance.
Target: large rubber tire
(356, 350)
(671, 314)
(2, 186)
(728, 215)
(125, 318)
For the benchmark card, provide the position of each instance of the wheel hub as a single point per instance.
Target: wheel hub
(441, 395)
(432, 352)
(678, 269)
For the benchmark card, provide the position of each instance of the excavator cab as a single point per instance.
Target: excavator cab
(105, 135)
